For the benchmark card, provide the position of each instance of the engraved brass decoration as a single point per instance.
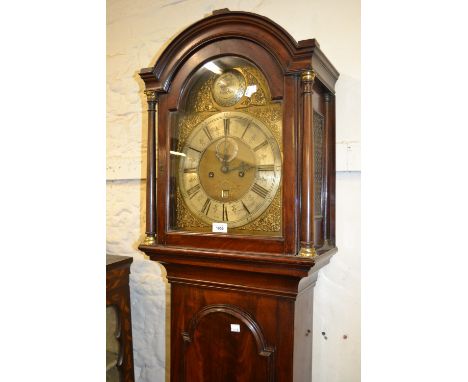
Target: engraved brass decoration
(228, 88)
(271, 116)
(204, 99)
(202, 106)
(185, 219)
(187, 124)
(255, 79)
(270, 220)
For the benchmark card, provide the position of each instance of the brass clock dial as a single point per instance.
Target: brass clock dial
(228, 88)
(230, 170)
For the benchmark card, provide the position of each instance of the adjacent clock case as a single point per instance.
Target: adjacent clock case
(239, 67)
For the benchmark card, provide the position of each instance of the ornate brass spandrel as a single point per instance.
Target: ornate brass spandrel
(262, 94)
(187, 123)
(270, 220)
(203, 99)
(184, 218)
(271, 115)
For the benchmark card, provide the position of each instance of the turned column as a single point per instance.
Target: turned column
(151, 217)
(307, 186)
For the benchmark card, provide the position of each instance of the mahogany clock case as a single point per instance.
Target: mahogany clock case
(241, 302)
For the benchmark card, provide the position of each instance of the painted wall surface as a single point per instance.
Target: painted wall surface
(137, 32)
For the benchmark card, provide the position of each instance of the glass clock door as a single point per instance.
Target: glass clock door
(226, 153)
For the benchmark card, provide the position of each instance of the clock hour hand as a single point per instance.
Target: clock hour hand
(242, 167)
(223, 155)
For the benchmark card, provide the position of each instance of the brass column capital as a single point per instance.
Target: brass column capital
(307, 79)
(308, 76)
(151, 95)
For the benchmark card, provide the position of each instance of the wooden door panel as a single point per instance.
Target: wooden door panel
(214, 353)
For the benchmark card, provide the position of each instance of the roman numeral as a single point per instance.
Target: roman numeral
(190, 170)
(207, 132)
(259, 190)
(193, 191)
(206, 206)
(226, 126)
(264, 143)
(245, 207)
(191, 148)
(225, 214)
(242, 137)
(266, 167)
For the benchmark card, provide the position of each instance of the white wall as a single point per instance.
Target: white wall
(137, 31)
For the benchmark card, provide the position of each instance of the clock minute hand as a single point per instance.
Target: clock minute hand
(225, 156)
(225, 167)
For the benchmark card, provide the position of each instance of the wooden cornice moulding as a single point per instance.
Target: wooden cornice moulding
(294, 57)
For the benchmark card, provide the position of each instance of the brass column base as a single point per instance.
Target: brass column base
(307, 252)
(149, 240)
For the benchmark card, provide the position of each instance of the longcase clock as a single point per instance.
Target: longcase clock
(240, 195)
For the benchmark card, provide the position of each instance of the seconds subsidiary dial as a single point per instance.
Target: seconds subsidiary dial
(230, 169)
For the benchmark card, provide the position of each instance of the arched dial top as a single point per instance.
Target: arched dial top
(230, 169)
